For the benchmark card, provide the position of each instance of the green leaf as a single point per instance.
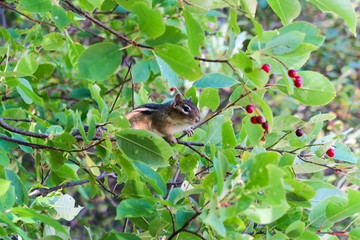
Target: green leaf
(44, 70)
(195, 33)
(4, 160)
(343, 153)
(343, 8)
(40, 6)
(30, 213)
(144, 146)
(275, 192)
(233, 21)
(295, 230)
(254, 132)
(215, 80)
(300, 194)
(99, 61)
(258, 77)
(27, 64)
(167, 73)
(228, 136)
(130, 4)
(75, 50)
(285, 122)
(242, 62)
(96, 3)
(171, 35)
(64, 141)
(53, 41)
(354, 234)
(182, 195)
(198, 6)
(66, 172)
(210, 98)
(65, 207)
(286, 10)
(312, 33)
(153, 178)
(336, 212)
(316, 90)
(266, 214)
(317, 215)
(180, 60)
(56, 159)
(320, 118)
(59, 16)
(188, 163)
(258, 27)
(26, 92)
(4, 186)
(141, 71)
(220, 169)
(20, 189)
(134, 208)
(150, 21)
(285, 43)
(259, 174)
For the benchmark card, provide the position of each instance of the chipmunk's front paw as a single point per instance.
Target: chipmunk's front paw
(189, 132)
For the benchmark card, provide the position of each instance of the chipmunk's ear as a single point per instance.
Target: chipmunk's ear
(178, 99)
(190, 99)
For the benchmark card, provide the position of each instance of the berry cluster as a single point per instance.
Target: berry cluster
(298, 80)
(257, 119)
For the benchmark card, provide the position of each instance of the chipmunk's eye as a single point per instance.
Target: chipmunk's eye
(186, 109)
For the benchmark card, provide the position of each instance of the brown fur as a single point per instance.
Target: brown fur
(165, 119)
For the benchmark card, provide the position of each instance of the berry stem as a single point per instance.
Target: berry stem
(277, 60)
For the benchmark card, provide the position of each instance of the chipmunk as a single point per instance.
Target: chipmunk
(166, 119)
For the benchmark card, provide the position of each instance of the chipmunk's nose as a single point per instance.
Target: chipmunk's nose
(197, 120)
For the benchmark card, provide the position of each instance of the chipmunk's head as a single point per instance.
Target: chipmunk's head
(185, 110)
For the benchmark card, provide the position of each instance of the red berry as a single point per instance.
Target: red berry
(299, 132)
(266, 125)
(250, 108)
(172, 89)
(266, 67)
(292, 73)
(330, 152)
(253, 119)
(298, 83)
(260, 119)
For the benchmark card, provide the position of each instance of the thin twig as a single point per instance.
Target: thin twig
(45, 191)
(198, 152)
(23, 14)
(172, 217)
(101, 24)
(122, 85)
(18, 119)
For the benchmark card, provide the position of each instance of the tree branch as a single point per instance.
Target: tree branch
(23, 14)
(45, 191)
(122, 85)
(101, 24)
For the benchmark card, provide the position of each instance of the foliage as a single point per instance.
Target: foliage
(71, 70)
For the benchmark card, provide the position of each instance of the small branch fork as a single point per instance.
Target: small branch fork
(187, 223)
